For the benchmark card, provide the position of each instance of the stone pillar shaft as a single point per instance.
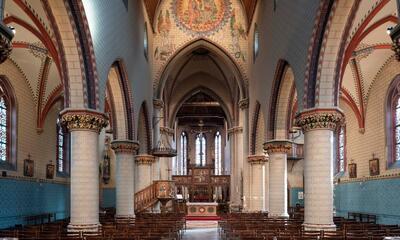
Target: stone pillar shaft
(256, 200)
(144, 171)
(318, 126)
(125, 179)
(84, 126)
(277, 150)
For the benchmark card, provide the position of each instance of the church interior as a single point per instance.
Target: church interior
(199, 119)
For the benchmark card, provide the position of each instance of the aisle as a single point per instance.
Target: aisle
(201, 230)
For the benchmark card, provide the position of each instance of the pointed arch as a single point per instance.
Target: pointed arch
(8, 125)
(283, 93)
(256, 125)
(121, 101)
(144, 131)
(163, 76)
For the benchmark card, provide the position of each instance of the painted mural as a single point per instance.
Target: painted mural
(237, 32)
(179, 22)
(201, 16)
(166, 46)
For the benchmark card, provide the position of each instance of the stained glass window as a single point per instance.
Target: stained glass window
(397, 131)
(60, 148)
(341, 150)
(3, 129)
(200, 150)
(182, 165)
(218, 160)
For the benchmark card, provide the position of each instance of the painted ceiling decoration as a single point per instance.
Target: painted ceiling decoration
(201, 16)
(368, 50)
(152, 5)
(35, 53)
(179, 23)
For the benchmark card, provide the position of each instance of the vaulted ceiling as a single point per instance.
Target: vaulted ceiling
(35, 53)
(151, 6)
(368, 50)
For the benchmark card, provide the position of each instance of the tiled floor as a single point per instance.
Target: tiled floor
(201, 230)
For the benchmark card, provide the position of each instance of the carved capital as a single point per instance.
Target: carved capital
(83, 119)
(125, 146)
(158, 103)
(145, 159)
(234, 130)
(167, 131)
(244, 103)
(278, 146)
(395, 35)
(6, 36)
(319, 118)
(257, 159)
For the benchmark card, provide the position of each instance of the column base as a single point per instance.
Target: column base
(89, 228)
(319, 227)
(278, 215)
(125, 218)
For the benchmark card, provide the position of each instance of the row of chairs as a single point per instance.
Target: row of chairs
(256, 226)
(143, 227)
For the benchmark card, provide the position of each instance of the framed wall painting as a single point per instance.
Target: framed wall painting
(374, 167)
(28, 168)
(50, 171)
(352, 170)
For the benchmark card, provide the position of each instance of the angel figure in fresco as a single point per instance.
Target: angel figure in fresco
(210, 10)
(237, 32)
(164, 27)
(193, 11)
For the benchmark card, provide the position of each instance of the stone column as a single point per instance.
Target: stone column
(278, 150)
(144, 171)
(84, 125)
(244, 151)
(235, 187)
(125, 189)
(318, 126)
(256, 200)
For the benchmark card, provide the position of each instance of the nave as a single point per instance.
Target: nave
(133, 119)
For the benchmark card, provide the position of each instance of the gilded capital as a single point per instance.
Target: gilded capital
(278, 146)
(319, 118)
(158, 103)
(244, 103)
(257, 159)
(145, 159)
(83, 119)
(125, 146)
(167, 131)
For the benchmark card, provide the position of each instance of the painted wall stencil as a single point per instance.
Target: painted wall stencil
(203, 17)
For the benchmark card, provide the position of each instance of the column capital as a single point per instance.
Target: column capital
(320, 118)
(158, 103)
(257, 159)
(125, 146)
(83, 119)
(167, 131)
(278, 146)
(234, 130)
(244, 103)
(145, 159)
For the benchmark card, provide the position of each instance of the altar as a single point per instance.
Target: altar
(202, 209)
